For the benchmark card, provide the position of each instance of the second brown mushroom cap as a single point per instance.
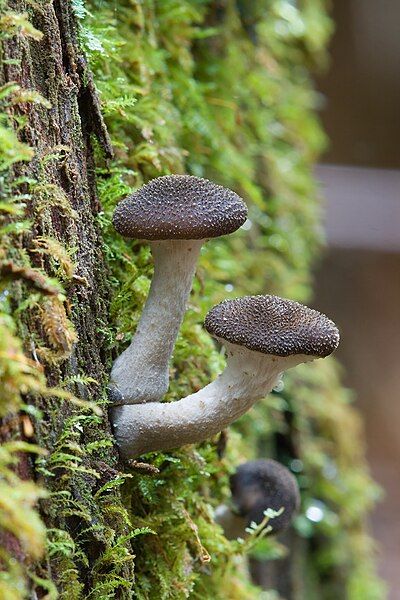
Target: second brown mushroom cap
(256, 486)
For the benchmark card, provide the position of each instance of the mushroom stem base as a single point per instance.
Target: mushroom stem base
(141, 373)
(248, 377)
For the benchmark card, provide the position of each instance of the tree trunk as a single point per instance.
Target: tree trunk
(64, 334)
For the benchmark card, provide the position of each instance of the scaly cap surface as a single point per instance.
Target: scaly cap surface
(180, 207)
(273, 325)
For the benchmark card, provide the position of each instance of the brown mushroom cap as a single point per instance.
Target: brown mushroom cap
(261, 484)
(273, 325)
(180, 207)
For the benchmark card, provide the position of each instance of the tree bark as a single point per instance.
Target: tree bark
(63, 209)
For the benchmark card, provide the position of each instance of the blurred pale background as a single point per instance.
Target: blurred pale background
(358, 282)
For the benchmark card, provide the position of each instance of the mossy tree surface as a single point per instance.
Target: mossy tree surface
(49, 97)
(218, 89)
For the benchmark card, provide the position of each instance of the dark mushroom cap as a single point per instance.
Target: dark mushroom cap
(179, 207)
(261, 484)
(273, 325)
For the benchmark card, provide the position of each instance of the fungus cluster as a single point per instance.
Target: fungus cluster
(256, 486)
(263, 335)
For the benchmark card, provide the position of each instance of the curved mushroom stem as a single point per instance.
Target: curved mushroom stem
(140, 374)
(247, 377)
(234, 525)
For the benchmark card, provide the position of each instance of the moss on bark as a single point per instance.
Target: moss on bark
(220, 89)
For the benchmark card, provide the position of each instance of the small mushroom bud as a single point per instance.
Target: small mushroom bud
(263, 336)
(176, 214)
(256, 486)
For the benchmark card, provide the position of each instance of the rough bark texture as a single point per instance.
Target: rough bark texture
(64, 241)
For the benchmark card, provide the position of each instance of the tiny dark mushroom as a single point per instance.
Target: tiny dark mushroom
(256, 486)
(176, 214)
(263, 336)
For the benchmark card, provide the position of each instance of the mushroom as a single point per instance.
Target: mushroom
(263, 336)
(176, 214)
(256, 486)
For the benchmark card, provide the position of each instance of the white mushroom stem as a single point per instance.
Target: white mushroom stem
(234, 525)
(247, 377)
(140, 374)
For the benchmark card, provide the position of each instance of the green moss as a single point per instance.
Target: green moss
(223, 93)
(220, 90)
(20, 523)
(36, 320)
